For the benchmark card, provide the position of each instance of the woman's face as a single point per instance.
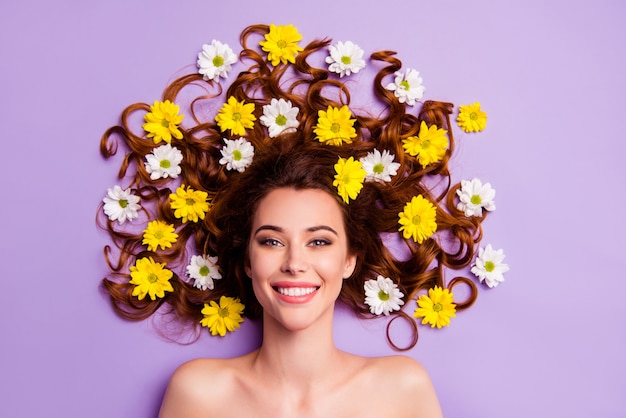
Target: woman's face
(298, 255)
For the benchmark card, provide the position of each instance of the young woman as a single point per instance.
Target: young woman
(284, 199)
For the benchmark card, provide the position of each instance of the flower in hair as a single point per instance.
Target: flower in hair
(222, 317)
(215, 61)
(281, 44)
(121, 205)
(236, 116)
(488, 266)
(437, 308)
(407, 86)
(237, 154)
(429, 146)
(383, 296)
(418, 220)
(150, 278)
(474, 196)
(164, 162)
(345, 58)
(162, 122)
(379, 167)
(189, 204)
(159, 234)
(349, 178)
(203, 270)
(471, 118)
(335, 126)
(280, 116)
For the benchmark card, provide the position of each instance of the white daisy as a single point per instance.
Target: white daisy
(237, 154)
(379, 167)
(164, 162)
(407, 86)
(215, 60)
(280, 116)
(203, 270)
(489, 267)
(345, 58)
(121, 205)
(474, 196)
(383, 296)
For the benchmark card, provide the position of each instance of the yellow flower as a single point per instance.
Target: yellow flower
(349, 178)
(335, 126)
(223, 317)
(189, 204)
(236, 116)
(471, 118)
(437, 308)
(162, 122)
(150, 278)
(429, 146)
(159, 234)
(281, 44)
(418, 219)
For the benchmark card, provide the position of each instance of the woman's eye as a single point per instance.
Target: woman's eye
(320, 242)
(270, 242)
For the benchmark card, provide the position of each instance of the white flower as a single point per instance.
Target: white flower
(345, 58)
(203, 270)
(280, 116)
(121, 205)
(215, 60)
(237, 154)
(489, 266)
(379, 167)
(164, 162)
(474, 196)
(383, 295)
(407, 87)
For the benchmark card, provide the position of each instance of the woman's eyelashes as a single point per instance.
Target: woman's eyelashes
(273, 242)
(269, 242)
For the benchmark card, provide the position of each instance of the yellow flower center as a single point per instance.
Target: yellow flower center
(237, 155)
(190, 202)
(490, 266)
(204, 271)
(346, 178)
(165, 123)
(236, 117)
(335, 127)
(405, 85)
(123, 203)
(416, 220)
(476, 200)
(153, 278)
(378, 168)
(425, 144)
(437, 307)
(382, 295)
(473, 116)
(346, 59)
(158, 234)
(281, 44)
(165, 164)
(218, 61)
(223, 312)
(281, 120)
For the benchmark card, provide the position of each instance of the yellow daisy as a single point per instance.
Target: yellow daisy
(162, 122)
(222, 317)
(349, 178)
(418, 219)
(159, 234)
(437, 308)
(429, 146)
(189, 204)
(150, 278)
(335, 126)
(281, 44)
(236, 116)
(471, 118)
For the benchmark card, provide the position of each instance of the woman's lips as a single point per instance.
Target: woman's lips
(295, 292)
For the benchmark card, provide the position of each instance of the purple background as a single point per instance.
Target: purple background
(549, 341)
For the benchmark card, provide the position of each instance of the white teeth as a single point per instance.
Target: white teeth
(296, 291)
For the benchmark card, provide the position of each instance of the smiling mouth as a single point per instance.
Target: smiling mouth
(296, 291)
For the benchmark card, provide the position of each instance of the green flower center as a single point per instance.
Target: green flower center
(223, 312)
(425, 144)
(153, 278)
(281, 120)
(476, 200)
(382, 295)
(237, 155)
(165, 164)
(335, 128)
(416, 220)
(236, 117)
(378, 168)
(204, 271)
(123, 203)
(158, 234)
(218, 61)
(490, 266)
(473, 116)
(346, 59)
(281, 44)
(165, 123)
(437, 307)
(189, 201)
(405, 85)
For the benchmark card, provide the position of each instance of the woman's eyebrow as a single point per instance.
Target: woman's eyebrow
(310, 229)
(322, 228)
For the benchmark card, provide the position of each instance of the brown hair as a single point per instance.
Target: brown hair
(294, 160)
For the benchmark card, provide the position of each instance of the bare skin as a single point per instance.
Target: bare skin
(299, 240)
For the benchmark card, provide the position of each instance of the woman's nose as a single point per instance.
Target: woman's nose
(295, 261)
